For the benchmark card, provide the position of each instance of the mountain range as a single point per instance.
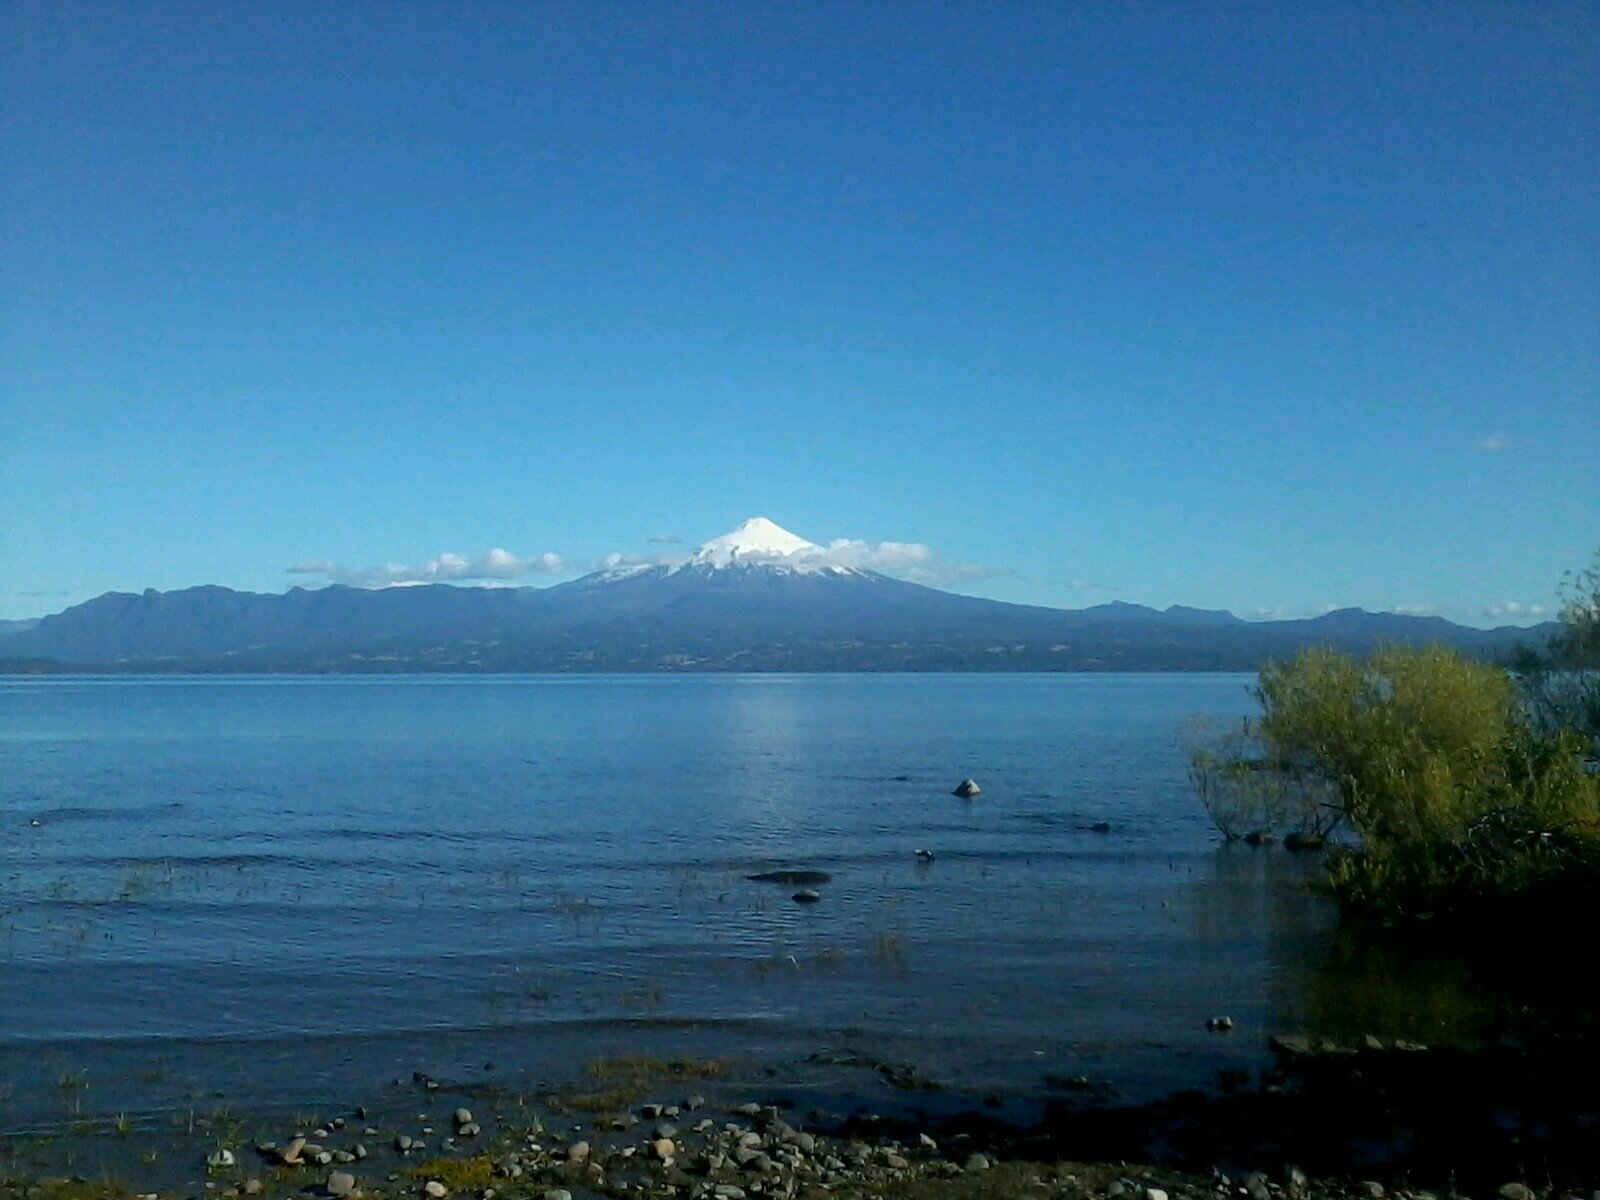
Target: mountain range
(757, 599)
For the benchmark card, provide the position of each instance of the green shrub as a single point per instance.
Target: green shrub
(1455, 798)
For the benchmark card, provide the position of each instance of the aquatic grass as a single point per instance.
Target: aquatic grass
(642, 999)
(889, 948)
(459, 1175)
(72, 1085)
(640, 1067)
(608, 1101)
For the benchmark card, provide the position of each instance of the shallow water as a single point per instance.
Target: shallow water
(286, 890)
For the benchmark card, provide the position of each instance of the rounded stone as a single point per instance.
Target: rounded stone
(341, 1183)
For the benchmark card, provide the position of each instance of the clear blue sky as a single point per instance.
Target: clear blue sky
(1268, 308)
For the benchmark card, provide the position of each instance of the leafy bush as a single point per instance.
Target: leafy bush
(1455, 798)
(1249, 795)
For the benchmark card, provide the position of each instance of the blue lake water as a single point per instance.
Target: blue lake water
(285, 889)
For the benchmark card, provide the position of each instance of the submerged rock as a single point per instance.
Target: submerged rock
(807, 896)
(967, 788)
(792, 878)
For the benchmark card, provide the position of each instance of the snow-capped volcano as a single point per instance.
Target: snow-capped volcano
(758, 545)
(758, 539)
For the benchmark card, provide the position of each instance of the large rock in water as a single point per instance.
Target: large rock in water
(967, 788)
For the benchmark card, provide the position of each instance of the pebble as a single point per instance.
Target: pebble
(434, 1189)
(402, 1143)
(558, 1194)
(694, 1102)
(463, 1116)
(1154, 1194)
(980, 1162)
(895, 1161)
(252, 1187)
(663, 1148)
(291, 1155)
(341, 1183)
(578, 1152)
(1516, 1191)
(220, 1159)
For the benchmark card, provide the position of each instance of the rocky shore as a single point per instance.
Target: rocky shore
(646, 1129)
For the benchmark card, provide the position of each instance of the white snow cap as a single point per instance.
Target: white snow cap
(757, 540)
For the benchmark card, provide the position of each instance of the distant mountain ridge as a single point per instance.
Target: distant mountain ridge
(757, 598)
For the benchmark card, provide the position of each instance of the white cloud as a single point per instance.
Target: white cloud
(911, 561)
(664, 539)
(614, 561)
(1417, 610)
(1514, 610)
(1495, 443)
(497, 564)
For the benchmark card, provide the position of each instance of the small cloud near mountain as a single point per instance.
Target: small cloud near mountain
(1514, 610)
(665, 539)
(912, 561)
(497, 564)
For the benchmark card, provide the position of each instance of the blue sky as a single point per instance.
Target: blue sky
(1269, 308)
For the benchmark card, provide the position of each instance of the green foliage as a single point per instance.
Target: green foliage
(1561, 683)
(1248, 795)
(1455, 797)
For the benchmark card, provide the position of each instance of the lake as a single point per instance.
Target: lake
(294, 890)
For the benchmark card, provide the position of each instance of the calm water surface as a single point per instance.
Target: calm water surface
(284, 889)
